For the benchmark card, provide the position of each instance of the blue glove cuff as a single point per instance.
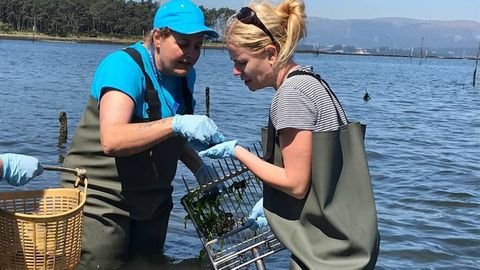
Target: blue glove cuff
(176, 123)
(4, 165)
(231, 148)
(257, 210)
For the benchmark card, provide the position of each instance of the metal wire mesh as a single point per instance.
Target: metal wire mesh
(219, 212)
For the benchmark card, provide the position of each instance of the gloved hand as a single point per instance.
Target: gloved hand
(20, 169)
(206, 174)
(197, 127)
(257, 215)
(198, 146)
(221, 150)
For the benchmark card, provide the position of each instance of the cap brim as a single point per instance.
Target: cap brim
(189, 29)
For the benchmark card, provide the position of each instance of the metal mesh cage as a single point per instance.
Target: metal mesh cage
(219, 211)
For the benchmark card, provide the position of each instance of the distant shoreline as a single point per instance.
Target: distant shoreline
(77, 39)
(208, 45)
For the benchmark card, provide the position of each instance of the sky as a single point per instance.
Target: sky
(368, 9)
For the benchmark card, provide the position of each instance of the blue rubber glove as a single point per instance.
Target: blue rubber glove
(221, 150)
(258, 216)
(197, 127)
(206, 174)
(20, 169)
(199, 146)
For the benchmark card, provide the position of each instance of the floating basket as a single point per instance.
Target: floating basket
(42, 229)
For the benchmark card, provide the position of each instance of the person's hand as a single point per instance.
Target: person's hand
(197, 127)
(206, 174)
(198, 146)
(20, 169)
(222, 150)
(257, 215)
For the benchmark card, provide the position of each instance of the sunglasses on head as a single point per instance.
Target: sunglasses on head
(248, 16)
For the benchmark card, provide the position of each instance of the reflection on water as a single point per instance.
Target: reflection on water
(422, 140)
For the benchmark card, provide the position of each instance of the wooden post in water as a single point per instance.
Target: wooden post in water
(33, 30)
(421, 52)
(476, 65)
(207, 101)
(63, 131)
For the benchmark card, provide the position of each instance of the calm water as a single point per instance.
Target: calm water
(423, 139)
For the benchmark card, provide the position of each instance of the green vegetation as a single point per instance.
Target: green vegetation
(89, 18)
(207, 213)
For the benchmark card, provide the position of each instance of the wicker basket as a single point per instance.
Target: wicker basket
(42, 229)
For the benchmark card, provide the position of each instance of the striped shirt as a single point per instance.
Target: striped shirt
(302, 102)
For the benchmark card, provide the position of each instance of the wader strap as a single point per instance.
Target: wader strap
(151, 96)
(187, 98)
(329, 91)
(269, 155)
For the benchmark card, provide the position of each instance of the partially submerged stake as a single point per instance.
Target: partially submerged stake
(421, 52)
(476, 65)
(207, 101)
(63, 132)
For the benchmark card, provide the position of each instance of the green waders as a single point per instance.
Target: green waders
(129, 199)
(335, 226)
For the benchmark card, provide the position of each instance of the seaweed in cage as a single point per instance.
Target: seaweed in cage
(207, 211)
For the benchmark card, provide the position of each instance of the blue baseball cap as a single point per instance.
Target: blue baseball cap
(182, 16)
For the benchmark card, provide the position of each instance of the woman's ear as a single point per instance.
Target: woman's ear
(156, 38)
(272, 54)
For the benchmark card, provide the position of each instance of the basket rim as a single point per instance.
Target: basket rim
(33, 217)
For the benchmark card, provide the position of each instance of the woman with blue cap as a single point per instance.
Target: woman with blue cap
(136, 126)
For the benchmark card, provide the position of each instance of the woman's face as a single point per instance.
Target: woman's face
(255, 69)
(177, 53)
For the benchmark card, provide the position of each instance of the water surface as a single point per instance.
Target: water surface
(422, 141)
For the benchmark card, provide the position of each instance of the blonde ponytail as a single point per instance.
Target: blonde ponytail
(286, 22)
(294, 13)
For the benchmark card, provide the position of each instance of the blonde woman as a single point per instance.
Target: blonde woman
(320, 233)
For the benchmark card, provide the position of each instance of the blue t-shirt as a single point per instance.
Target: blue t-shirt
(119, 71)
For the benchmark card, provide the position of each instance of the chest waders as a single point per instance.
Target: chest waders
(335, 226)
(130, 198)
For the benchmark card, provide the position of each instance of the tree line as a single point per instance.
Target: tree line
(119, 18)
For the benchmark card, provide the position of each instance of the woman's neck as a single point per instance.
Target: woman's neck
(283, 73)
